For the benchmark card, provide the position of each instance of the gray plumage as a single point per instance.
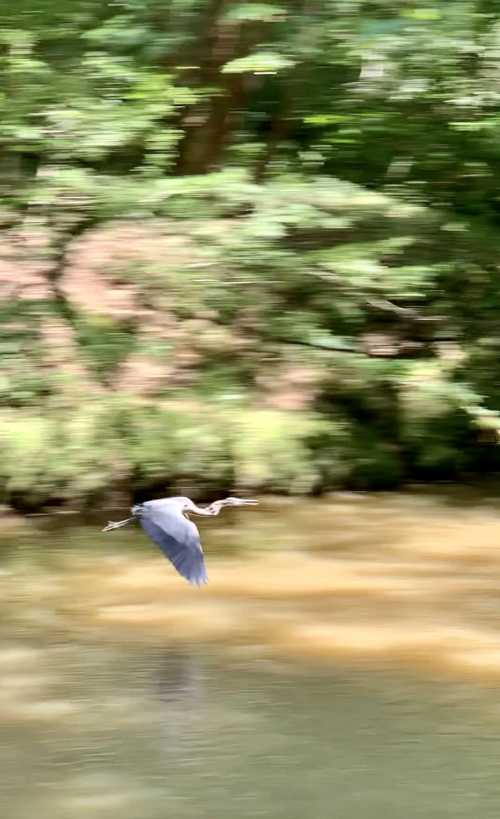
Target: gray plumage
(178, 538)
(167, 523)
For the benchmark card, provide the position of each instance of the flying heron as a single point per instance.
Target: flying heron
(167, 523)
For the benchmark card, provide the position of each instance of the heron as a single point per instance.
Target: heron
(167, 522)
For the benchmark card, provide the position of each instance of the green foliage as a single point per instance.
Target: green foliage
(375, 463)
(435, 426)
(270, 451)
(104, 343)
(83, 453)
(31, 466)
(185, 449)
(330, 173)
(255, 12)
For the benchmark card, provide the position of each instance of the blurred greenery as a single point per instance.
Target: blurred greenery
(247, 246)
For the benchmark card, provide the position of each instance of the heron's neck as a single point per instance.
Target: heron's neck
(216, 506)
(208, 511)
(203, 511)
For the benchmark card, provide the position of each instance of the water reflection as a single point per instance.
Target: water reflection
(180, 689)
(179, 681)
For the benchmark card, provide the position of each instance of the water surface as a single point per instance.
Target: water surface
(344, 661)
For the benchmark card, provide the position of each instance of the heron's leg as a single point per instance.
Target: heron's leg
(117, 525)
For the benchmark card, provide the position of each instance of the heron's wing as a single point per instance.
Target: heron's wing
(177, 537)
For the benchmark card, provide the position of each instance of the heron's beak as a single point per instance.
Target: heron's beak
(244, 502)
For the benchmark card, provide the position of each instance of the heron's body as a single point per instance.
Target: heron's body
(165, 521)
(166, 524)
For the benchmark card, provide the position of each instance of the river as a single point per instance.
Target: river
(344, 660)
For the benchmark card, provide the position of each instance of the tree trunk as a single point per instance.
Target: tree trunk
(208, 126)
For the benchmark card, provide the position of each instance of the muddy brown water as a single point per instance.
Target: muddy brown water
(344, 660)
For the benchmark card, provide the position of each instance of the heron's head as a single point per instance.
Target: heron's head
(240, 502)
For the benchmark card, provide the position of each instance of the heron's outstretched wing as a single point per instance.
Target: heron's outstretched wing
(177, 537)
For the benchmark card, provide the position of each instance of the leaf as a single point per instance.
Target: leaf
(258, 12)
(262, 62)
(423, 14)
